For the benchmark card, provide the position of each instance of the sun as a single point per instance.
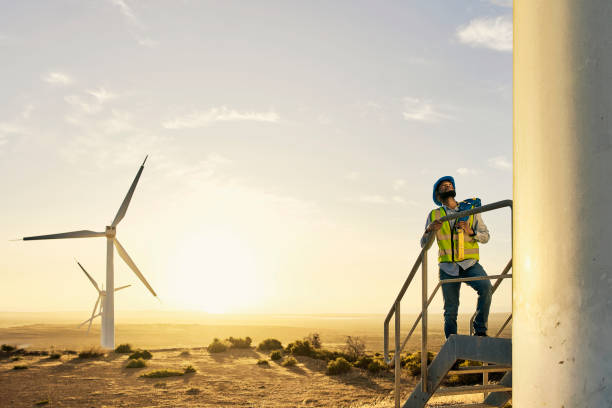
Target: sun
(215, 273)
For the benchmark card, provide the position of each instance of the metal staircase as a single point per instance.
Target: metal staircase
(493, 352)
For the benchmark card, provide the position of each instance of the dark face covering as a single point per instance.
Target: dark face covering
(445, 194)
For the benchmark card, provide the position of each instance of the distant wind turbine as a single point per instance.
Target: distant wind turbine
(101, 296)
(108, 317)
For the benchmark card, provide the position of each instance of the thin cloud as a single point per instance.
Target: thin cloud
(464, 171)
(84, 106)
(422, 111)
(8, 130)
(383, 200)
(222, 114)
(500, 163)
(373, 199)
(493, 33)
(399, 184)
(127, 12)
(137, 27)
(502, 3)
(57, 78)
(102, 95)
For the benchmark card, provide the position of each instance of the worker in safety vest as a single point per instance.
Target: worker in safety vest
(458, 255)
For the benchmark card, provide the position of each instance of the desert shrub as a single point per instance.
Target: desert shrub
(290, 362)
(136, 363)
(185, 353)
(269, 344)
(217, 346)
(193, 391)
(35, 353)
(20, 367)
(276, 355)
(263, 363)
(72, 352)
(55, 356)
(314, 339)
(8, 348)
(124, 349)
(189, 369)
(240, 343)
(162, 374)
(376, 366)
(301, 348)
(144, 354)
(94, 352)
(354, 347)
(470, 379)
(43, 402)
(412, 362)
(338, 366)
(363, 362)
(16, 358)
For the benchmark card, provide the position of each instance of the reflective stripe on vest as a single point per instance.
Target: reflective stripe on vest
(447, 240)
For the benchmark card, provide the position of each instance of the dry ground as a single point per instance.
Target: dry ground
(230, 379)
(227, 379)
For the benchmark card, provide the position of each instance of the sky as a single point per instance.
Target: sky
(292, 148)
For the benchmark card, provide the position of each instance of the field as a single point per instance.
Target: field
(231, 378)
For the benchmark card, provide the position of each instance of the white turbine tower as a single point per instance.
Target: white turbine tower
(108, 317)
(101, 296)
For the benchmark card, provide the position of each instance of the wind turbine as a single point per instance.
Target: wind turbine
(108, 317)
(101, 296)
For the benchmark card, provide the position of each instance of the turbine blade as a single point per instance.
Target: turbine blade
(93, 282)
(128, 197)
(72, 234)
(92, 314)
(124, 255)
(122, 287)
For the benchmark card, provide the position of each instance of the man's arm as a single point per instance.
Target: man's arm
(481, 230)
(430, 228)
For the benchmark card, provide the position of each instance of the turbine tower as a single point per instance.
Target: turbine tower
(108, 317)
(101, 296)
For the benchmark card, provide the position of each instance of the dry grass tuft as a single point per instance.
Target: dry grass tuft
(163, 374)
(290, 362)
(124, 349)
(94, 352)
(137, 363)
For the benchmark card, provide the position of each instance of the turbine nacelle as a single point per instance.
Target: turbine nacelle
(110, 232)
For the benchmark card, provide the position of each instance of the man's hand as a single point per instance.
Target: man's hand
(434, 226)
(466, 227)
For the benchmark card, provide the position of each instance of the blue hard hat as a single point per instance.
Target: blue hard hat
(435, 188)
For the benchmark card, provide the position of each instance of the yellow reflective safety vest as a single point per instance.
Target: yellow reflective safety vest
(455, 245)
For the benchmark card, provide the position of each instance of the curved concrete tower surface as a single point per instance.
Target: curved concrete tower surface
(562, 330)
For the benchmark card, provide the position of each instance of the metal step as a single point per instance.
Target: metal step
(480, 369)
(472, 389)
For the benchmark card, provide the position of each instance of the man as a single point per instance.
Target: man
(456, 260)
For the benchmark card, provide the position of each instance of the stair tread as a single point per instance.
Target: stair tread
(472, 389)
(480, 369)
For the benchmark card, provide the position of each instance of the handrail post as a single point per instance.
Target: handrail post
(398, 360)
(424, 324)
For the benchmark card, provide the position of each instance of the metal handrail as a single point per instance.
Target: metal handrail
(395, 308)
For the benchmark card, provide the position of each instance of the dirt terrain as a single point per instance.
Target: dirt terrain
(231, 378)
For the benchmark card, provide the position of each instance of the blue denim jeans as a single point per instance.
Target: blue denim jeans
(450, 291)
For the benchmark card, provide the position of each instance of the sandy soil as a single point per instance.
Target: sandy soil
(231, 378)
